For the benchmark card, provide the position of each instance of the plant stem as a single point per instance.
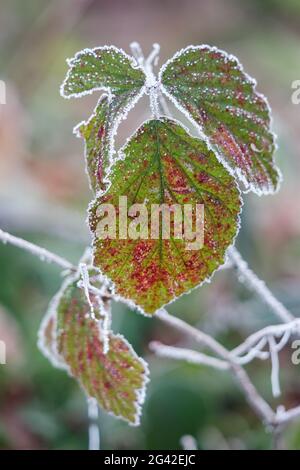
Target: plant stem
(258, 404)
(252, 281)
(42, 253)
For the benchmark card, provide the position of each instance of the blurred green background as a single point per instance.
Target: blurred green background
(44, 195)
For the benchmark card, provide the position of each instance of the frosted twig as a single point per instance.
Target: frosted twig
(42, 253)
(256, 401)
(86, 286)
(283, 417)
(147, 66)
(94, 431)
(153, 56)
(274, 330)
(260, 406)
(251, 280)
(188, 355)
(275, 367)
(137, 52)
(253, 352)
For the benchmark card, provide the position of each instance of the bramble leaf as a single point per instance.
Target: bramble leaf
(102, 68)
(116, 379)
(108, 69)
(98, 134)
(211, 88)
(162, 163)
(47, 336)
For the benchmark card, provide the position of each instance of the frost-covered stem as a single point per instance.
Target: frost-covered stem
(251, 280)
(147, 66)
(283, 417)
(94, 432)
(256, 401)
(261, 407)
(275, 367)
(42, 253)
(271, 330)
(188, 355)
(199, 336)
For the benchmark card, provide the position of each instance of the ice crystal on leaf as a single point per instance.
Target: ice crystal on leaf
(104, 69)
(163, 164)
(73, 340)
(212, 89)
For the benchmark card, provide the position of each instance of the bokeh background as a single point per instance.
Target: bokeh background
(44, 195)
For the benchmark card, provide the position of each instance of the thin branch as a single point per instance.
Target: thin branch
(199, 336)
(274, 330)
(42, 253)
(251, 280)
(188, 355)
(94, 432)
(275, 367)
(283, 417)
(258, 404)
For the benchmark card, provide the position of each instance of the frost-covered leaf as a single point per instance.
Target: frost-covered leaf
(162, 163)
(212, 89)
(102, 68)
(47, 335)
(116, 379)
(111, 70)
(98, 134)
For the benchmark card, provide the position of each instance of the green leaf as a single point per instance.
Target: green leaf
(111, 70)
(212, 89)
(162, 163)
(98, 134)
(116, 379)
(102, 68)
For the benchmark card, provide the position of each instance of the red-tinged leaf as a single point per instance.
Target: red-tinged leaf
(211, 88)
(98, 133)
(160, 164)
(108, 69)
(47, 336)
(116, 379)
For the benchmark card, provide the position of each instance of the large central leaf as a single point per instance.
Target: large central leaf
(211, 88)
(162, 163)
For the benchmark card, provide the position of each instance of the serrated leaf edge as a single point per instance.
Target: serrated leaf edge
(236, 173)
(117, 297)
(87, 50)
(58, 362)
(112, 134)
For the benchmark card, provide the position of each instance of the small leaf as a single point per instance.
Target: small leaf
(102, 68)
(116, 379)
(47, 335)
(98, 133)
(111, 70)
(212, 89)
(162, 163)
